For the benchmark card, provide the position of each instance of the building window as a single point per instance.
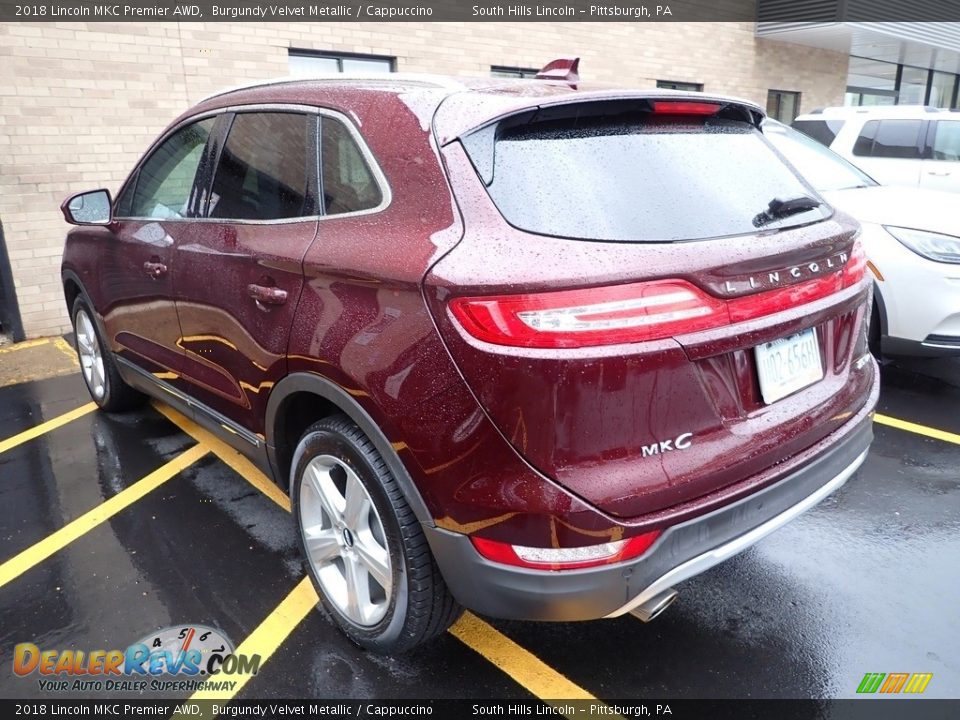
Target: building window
(783, 105)
(942, 88)
(304, 63)
(676, 85)
(912, 89)
(506, 71)
(875, 82)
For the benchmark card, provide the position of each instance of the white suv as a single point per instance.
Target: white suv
(896, 145)
(912, 239)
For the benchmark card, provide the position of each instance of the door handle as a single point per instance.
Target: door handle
(155, 269)
(267, 295)
(938, 173)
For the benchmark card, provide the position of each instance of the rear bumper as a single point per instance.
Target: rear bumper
(682, 551)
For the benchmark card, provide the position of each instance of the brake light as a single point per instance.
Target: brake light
(774, 301)
(564, 558)
(635, 312)
(594, 316)
(684, 107)
(856, 266)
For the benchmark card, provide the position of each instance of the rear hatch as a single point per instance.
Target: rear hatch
(622, 261)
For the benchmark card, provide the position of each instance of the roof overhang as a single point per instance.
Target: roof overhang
(922, 44)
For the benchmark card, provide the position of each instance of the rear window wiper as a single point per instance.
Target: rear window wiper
(780, 208)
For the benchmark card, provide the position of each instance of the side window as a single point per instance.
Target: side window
(895, 139)
(162, 187)
(946, 143)
(898, 139)
(864, 144)
(348, 183)
(266, 168)
(823, 131)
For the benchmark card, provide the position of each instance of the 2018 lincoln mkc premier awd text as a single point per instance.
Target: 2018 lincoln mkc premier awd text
(536, 348)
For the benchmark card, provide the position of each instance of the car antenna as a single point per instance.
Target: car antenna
(566, 69)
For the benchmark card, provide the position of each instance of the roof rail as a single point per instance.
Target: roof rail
(438, 81)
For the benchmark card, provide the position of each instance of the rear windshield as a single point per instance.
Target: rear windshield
(632, 180)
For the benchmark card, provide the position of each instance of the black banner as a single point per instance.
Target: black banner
(479, 10)
(858, 709)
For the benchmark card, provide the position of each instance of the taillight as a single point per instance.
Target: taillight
(684, 107)
(594, 316)
(856, 266)
(631, 313)
(564, 558)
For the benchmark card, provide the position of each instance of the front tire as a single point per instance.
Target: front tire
(364, 548)
(97, 365)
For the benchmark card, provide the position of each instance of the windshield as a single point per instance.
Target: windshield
(822, 167)
(636, 178)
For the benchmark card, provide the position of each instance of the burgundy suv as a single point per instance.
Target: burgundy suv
(539, 349)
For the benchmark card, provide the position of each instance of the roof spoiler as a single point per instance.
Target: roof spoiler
(565, 69)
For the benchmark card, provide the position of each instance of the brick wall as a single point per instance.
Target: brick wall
(79, 102)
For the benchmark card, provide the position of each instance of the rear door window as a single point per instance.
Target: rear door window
(267, 168)
(890, 139)
(633, 179)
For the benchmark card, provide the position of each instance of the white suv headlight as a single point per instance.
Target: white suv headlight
(931, 245)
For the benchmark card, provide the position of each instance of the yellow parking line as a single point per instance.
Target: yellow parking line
(39, 552)
(65, 347)
(523, 666)
(46, 427)
(918, 429)
(24, 345)
(232, 457)
(518, 662)
(269, 635)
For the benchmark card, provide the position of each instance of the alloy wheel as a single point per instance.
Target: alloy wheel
(91, 356)
(345, 541)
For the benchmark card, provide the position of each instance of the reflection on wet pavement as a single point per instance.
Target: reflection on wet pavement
(867, 581)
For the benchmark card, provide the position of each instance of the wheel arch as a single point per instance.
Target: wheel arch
(303, 387)
(881, 306)
(73, 288)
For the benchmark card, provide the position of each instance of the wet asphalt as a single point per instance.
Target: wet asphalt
(869, 581)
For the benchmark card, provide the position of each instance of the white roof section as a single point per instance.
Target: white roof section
(880, 111)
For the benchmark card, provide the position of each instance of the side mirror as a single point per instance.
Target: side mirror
(88, 208)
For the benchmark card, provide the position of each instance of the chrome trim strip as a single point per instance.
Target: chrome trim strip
(224, 422)
(707, 560)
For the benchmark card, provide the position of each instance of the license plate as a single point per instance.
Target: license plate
(788, 364)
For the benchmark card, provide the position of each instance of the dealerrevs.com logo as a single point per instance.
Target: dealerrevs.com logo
(177, 658)
(894, 683)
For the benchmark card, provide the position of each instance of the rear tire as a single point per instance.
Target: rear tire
(97, 365)
(363, 546)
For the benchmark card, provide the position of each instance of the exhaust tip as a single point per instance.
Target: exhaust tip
(655, 605)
